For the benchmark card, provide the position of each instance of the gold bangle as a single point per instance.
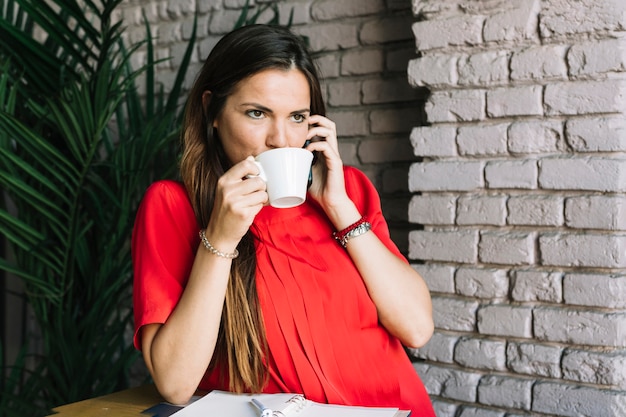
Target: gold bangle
(214, 251)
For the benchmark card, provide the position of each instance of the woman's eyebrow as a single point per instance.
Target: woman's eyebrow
(268, 110)
(257, 106)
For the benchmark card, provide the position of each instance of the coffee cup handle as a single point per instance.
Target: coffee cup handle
(261, 173)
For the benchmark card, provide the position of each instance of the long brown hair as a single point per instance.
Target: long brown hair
(241, 345)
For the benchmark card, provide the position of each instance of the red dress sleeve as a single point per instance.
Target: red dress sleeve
(164, 243)
(365, 196)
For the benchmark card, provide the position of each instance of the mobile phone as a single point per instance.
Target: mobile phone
(306, 143)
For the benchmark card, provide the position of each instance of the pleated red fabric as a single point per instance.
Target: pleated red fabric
(322, 328)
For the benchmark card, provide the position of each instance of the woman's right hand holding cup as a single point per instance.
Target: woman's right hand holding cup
(239, 196)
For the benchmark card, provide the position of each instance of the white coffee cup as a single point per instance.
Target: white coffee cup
(286, 173)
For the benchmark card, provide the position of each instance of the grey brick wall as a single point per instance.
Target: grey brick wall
(521, 191)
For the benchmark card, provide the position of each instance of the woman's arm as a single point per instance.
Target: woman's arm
(178, 352)
(400, 294)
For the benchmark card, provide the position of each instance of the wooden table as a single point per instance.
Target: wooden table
(127, 403)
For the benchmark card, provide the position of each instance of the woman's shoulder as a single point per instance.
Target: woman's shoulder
(166, 196)
(166, 187)
(166, 191)
(358, 184)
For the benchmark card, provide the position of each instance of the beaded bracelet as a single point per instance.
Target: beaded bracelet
(213, 250)
(355, 229)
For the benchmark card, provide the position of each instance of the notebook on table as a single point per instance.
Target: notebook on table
(222, 403)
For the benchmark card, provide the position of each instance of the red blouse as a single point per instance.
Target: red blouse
(322, 328)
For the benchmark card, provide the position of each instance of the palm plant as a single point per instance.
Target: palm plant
(78, 146)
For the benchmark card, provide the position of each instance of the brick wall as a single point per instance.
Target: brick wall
(362, 48)
(522, 195)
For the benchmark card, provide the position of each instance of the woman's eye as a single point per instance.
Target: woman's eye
(299, 118)
(255, 114)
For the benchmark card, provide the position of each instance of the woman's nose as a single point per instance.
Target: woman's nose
(277, 136)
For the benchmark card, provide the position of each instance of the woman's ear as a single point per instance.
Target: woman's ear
(206, 98)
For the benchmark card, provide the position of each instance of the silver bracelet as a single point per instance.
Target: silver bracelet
(213, 250)
(357, 231)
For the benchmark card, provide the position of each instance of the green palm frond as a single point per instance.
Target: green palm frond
(78, 147)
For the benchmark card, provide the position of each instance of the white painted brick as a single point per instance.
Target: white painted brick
(470, 411)
(222, 21)
(454, 314)
(587, 250)
(177, 8)
(510, 393)
(595, 290)
(205, 6)
(444, 409)
(481, 209)
(575, 400)
(535, 210)
(528, 285)
(534, 359)
(448, 382)
(598, 57)
(514, 101)
(482, 140)
(433, 71)
(434, 141)
(465, 30)
(582, 173)
(516, 23)
(539, 63)
(602, 368)
(438, 278)
(596, 212)
(566, 17)
(505, 320)
(510, 248)
(482, 283)
(456, 106)
(331, 9)
(484, 68)
(519, 174)
(536, 137)
(585, 97)
(446, 176)
(440, 348)
(299, 13)
(482, 354)
(580, 327)
(453, 246)
(432, 209)
(596, 134)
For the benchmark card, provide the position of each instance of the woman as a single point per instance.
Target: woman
(314, 299)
